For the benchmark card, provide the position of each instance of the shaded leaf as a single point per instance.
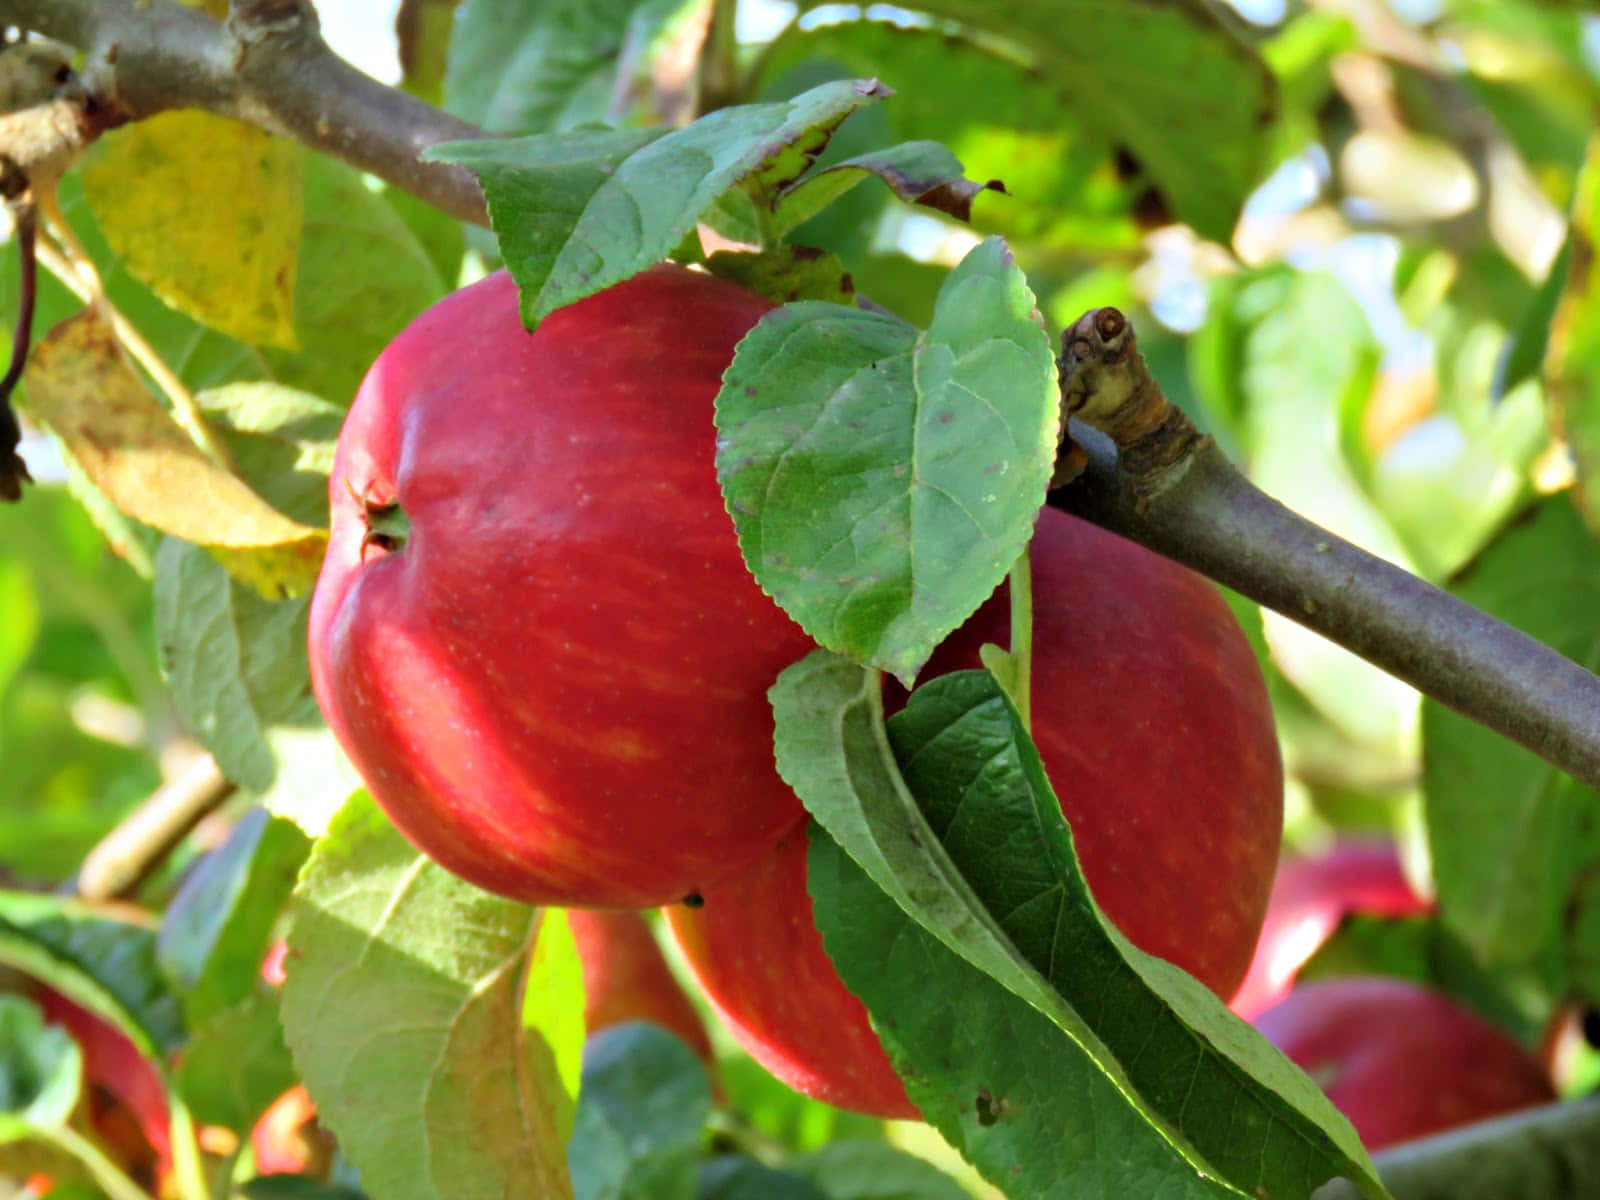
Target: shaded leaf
(732, 1177)
(363, 276)
(80, 385)
(1507, 832)
(923, 172)
(642, 1108)
(863, 1169)
(206, 211)
(403, 1009)
(41, 1066)
(884, 481)
(236, 1064)
(281, 441)
(218, 926)
(786, 274)
(577, 212)
(1572, 359)
(235, 662)
(1064, 1034)
(107, 966)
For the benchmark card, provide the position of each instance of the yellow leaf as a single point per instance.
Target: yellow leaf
(81, 387)
(206, 212)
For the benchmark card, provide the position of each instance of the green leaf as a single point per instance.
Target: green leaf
(1573, 355)
(733, 1177)
(1507, 832)
(236, 1064)
(217, 928)
(403, 1009)
(236, 663)
(921, 172)
(281, 441)
(577, 212)
(363, 276)
(41, 1067)
(863, 1169)
(528, 68)
(1065, 1036)
(107, 966)
(295, 1187)
(552, 1008)
(642, 1108)
(884, 481)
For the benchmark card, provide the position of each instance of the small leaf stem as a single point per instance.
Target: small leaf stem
(107, 1175)
(1175, 492)
(1020, 586)
(188, 1168)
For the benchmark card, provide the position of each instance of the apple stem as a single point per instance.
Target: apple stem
(1172, 490)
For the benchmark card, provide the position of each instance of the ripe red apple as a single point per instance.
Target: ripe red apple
(1402, 1061)
(1152, 720)
(626, 977)
(533, 632)
(1310, 897)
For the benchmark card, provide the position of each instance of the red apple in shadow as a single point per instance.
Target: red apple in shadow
(626, 977)
(1402, 1061)
(534, 633)
(1311, 895)
(1153, 722)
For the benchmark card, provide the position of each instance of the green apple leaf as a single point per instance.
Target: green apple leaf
(883, 481)
(528, 68)
(864, 1169)
(296, 1187)
(281, 441)
(552, 1007)
(1064, 1034)
(363, 276)
(107, 966)
(236, 662)
(642, 1109)
(1508, 833)
(41, 1066)
(919, 172)
(576, 212)
(1572, 358)
(403, 1010)
(236, 1064)
(217, 929)
(734, 1177)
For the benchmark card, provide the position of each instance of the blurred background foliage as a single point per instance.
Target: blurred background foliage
(1356, 239)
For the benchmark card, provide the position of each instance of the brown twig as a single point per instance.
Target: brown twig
(1199, 510)
(126, 856)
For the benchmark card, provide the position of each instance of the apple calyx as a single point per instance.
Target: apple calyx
(387, 526)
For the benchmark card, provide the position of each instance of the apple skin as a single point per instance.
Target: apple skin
(626, 977)
(1402, 1061)
(1310, 897)
(1153, 723)
(557, 687)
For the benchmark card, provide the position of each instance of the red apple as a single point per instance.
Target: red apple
(1152, 720)
(626, 978)
(534, 633)
(1402, 1061)
(1310, 897)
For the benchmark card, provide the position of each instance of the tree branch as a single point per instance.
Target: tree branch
(1195, 507)
(266, 65)
(1546, 1153)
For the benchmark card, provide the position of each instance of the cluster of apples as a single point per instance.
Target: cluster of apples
(536, 639)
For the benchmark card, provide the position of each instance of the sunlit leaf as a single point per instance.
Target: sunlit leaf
(580, 211)
(403, 1008)
(81, 386)
(883, 480)
(206, 211)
